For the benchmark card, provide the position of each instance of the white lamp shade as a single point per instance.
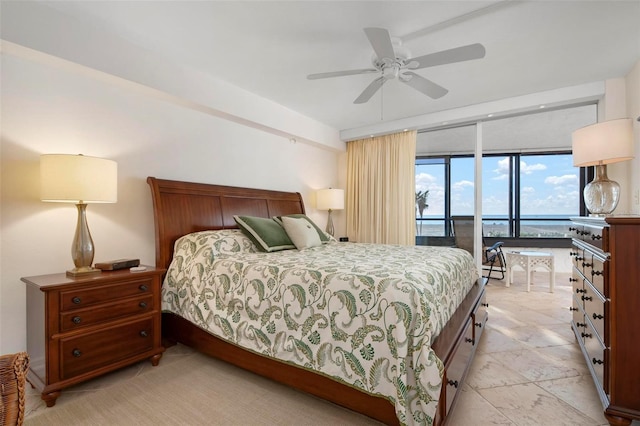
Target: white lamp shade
(77, 178)
(330, 199)
(603, 143)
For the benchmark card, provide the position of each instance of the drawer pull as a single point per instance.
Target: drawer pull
(571, 228)
(597, 361)
(486, 305)
(573, 253)
(596, 237)
(76, 353)
(581, 324)
(76, 300)
(143, 305)
(586, 335)
(76, 320)
(469, 340)
(143, 287)
(597, 316)
(587, 264)
(573, 280)
(585, 233)
(478, 324)
(144, 333)
(597, 272)
(580, 290)
(571, 308)
(453, 383)
(578, 258)
(587, 298)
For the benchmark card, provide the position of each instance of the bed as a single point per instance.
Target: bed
(348, 370)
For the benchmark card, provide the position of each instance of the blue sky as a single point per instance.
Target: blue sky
(550, 185)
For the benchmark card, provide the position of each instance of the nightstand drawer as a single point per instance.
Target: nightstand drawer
(88, 352)
(105, 312)
(82, 297)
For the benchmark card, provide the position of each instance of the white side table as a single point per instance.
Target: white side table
(528, 261)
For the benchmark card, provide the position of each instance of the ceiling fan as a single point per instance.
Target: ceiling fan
(394, 62)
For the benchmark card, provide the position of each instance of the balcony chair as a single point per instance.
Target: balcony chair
(493, 257)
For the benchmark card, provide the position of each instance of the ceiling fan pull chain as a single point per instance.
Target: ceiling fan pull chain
(382, 103)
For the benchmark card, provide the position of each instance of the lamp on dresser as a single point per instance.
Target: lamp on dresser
(330, 199)
(598, 145)
(81, 180)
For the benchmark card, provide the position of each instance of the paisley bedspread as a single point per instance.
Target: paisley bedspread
(363, 314)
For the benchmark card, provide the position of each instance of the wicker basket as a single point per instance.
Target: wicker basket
(13, 373)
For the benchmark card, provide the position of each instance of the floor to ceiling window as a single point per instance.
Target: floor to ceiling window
(529, 185)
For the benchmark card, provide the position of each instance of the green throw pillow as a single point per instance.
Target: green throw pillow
(267, 234)
(323, 237)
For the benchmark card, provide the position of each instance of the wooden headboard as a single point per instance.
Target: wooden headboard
(180, 208)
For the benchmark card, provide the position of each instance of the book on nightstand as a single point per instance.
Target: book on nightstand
(114, 265)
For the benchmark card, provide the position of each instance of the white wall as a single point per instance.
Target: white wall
(632, 81)
(622, 100)
(49, 106)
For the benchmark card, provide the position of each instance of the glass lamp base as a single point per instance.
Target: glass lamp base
(601, 196)
(83, 271)
(329, 228)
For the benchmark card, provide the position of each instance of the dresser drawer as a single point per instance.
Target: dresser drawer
(577, 258)
(596, 352)
(479, 318)
(88, 352)
(577, 312)
(458, 365)
(593, 235)
(83, 297)
(596, 273)
(594, 309)
(105, 312)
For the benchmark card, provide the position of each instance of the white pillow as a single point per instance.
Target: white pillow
(301, 232)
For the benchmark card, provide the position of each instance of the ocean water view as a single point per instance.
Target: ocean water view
(530, 226)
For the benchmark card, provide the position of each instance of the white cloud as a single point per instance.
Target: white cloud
(502, 170)
(561, 180)
(461, 185)
(425, 181)
(528, 190)
(527, 170)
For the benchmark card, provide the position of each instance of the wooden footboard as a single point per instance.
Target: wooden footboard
(182, 207)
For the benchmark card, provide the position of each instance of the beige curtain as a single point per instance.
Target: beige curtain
(380, 201)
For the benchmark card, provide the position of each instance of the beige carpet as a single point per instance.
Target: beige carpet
(194, 389)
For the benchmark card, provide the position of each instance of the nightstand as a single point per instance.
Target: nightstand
(79, 328)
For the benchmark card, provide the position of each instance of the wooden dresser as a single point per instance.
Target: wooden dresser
(606, 309)
(79, 328)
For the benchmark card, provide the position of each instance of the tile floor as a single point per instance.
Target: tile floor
(528, 369)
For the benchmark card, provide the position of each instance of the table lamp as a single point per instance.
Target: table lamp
(598, 145)
(330, 199)
(81, 180)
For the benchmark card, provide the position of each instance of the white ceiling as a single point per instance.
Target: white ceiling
(270, 47)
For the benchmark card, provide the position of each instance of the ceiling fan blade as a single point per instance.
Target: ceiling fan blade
(425, 86)
(458, 54)
(341, 73)
(381, 42)
(371, 89)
